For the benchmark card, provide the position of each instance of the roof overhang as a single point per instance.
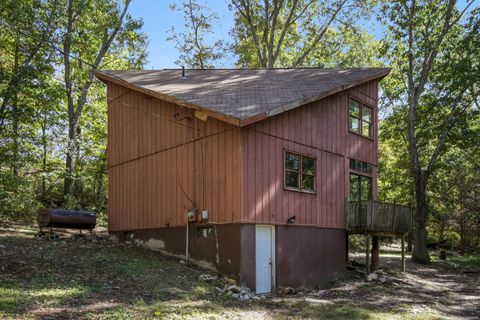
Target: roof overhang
(107, 77)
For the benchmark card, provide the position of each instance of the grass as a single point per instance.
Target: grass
(97, 279)
(468, 261)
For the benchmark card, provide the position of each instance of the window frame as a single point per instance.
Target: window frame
(360, 118)
(360, 185)
(300, 172)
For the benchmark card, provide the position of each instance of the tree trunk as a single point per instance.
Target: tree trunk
(44, 160)
(420, 252)
(71, 160)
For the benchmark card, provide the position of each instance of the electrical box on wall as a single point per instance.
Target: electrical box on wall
(205, 215)
(191, 213)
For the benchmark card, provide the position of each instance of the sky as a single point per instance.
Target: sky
(158, 20)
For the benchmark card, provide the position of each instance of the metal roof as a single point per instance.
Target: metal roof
(243, 94)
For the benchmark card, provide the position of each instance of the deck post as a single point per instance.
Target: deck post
(403, 252)
(367, 252)
(375, 253)
(346, 247)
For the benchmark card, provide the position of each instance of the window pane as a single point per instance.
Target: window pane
(308, 182)
(365, 188)
(352, 164)
(291, 179)
(369, 168)
(354, 125)
(358, 165)
(354, 188)
(291, 161)
(354, 108)
(367, 129)
(308, 166)
(367, 114)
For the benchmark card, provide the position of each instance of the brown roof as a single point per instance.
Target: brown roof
(241, 95)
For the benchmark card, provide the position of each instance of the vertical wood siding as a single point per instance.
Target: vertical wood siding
(156, 163)
(319, 129)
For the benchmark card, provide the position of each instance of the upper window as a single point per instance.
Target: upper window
(360, 118)
(299, 172)
(360, 166)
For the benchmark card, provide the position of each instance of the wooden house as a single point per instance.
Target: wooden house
(250, 172)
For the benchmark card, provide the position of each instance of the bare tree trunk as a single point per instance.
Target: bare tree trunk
(420, 252)
(15, 117)
(71, 161)
(44, 159)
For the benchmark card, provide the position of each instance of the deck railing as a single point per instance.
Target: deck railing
(377, 216)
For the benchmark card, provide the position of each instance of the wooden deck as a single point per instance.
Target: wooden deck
(380, 218)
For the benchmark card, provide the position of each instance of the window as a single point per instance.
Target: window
(360, 187)
(299, 172)
(360, 118)
(361, 166)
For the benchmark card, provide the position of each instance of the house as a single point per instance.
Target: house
(248, 172)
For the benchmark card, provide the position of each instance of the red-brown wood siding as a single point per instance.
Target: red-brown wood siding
(152, 157)
(319, 129)
(234, 173)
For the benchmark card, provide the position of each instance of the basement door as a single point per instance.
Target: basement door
(264, 258)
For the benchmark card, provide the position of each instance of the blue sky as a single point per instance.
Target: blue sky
(158, 19)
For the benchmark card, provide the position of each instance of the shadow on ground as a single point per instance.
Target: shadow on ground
(94, 278)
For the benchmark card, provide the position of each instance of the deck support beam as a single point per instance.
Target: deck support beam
(403, 252)
(375, 252)
(367, 252)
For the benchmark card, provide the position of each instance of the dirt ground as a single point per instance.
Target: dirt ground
(91, 277)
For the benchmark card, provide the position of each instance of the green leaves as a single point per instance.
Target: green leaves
(197, 45)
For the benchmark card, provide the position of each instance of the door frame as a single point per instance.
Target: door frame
(273, 255)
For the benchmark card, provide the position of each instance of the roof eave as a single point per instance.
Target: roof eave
(299, 103)
(106, 78)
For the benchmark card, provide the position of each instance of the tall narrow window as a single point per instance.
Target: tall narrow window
(360, 187)
(360, 118)
(299, 172)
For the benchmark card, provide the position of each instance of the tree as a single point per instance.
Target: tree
(287, 33)
(195, 50)
(91, 27)
(431, 49)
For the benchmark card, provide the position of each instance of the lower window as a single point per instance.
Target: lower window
(360, 187)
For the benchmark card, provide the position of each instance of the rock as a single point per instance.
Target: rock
(382, 279)
(286, 290)
(245, 297)
(372, 277)
(380, 272)
(262, 297)
(234, 288)
(182, 261)
(220, 290)
(256, 298)
(229, 293)
(235, 295)
(206, 277)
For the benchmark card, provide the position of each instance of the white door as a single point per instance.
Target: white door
(264, 258)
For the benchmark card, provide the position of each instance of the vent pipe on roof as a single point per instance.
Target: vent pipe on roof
(183, 73)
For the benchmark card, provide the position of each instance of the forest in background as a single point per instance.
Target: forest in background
(53, 111)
